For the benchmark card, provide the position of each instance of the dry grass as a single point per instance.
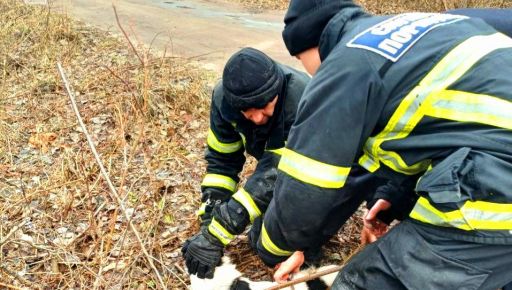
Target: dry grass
(265, 4)
(58, 226)
(396, 6)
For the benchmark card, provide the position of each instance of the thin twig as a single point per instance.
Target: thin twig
(107, 178)
(10, 286)
(316, 274)
(19, 278)
(307, 278)
(12, 231)
(126, 36)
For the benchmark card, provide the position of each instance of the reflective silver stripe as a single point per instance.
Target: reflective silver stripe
(216, 229)
(423, 211)
(412, 108)
(221, 147)
(312, 171)
(245, 199)
(269, 246)
(217, 180)
(470, 107)
(473, 215)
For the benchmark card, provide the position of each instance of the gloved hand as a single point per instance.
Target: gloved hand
(202, 254)
(211, 198)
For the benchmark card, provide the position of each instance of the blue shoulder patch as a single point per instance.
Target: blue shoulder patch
(395, 36)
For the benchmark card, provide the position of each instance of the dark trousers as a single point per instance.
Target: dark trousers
(411, 257)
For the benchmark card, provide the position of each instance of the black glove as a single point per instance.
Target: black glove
(202, 254)
(211, 198)
(232, 216)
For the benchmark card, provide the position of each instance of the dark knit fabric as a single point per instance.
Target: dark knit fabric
(305, 20)
(251, 79)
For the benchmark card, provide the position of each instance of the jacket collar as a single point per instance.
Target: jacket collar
(334, 29)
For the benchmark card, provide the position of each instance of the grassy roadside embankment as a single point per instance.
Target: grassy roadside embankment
(147, 114)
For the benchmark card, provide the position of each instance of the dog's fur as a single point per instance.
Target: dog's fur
(227, 277)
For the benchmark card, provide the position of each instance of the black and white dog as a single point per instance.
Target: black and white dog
(227, 277)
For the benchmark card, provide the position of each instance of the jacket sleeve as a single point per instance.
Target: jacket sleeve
(249, 202)
(402, 197)
(337, 113)
(225, 159)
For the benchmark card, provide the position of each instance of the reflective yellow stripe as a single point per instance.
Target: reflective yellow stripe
(425, 212)
(473, 215)
(368, 163)
(217, 180)
(270, 246)
(218, 146)
(311, 171)
(470, 107)
(244, 198)
(216, 229)
(244, 140)
(202, 209)
(413, 107)
(277, 151)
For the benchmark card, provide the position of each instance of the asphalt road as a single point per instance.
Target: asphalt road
(207, 31)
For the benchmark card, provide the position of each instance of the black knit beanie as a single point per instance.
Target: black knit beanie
(306, 19)
(251, 79)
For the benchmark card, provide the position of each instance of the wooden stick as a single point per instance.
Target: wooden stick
(113, 190)
(306, 278)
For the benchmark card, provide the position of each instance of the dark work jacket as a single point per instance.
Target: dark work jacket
(432, 101)
(231, 135)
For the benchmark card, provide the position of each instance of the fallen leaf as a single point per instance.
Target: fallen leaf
(42, 140)
(115, 266)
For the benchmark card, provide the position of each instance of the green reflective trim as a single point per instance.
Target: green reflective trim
(312, 171)
(201, 210)
(245, 199)
(269, 246)
(217, 180)
(216, 229)
(415, 105)
(221, 147)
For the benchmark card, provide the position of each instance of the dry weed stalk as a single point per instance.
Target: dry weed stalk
(113, 190)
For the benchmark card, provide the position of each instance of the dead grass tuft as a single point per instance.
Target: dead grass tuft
(392, 7)
(399, 6)
(265, 4)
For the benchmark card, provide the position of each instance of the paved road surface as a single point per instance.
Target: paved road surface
(208, 31)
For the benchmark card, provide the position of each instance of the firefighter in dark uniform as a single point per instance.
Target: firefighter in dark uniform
(422, 100)
(252, 110)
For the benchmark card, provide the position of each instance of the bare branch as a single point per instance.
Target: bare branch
(307, 278)
(113, 190)
(126, 36)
